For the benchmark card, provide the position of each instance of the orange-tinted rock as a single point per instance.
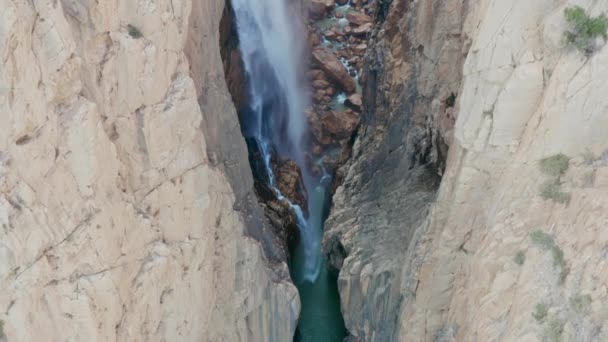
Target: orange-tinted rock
(358, 18)
(314, 39)
(363, 29)
(320, 8)
(354, 102)
(332, 66)
(320, 84)
(290, 182)
(316, 74)
(332, 128)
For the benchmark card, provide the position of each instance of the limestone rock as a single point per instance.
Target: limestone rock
(440, 75)
(126, 204)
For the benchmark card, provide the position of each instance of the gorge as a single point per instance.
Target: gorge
(303, 170)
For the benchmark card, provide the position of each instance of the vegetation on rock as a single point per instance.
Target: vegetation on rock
(540, 312)
(547, 243)
(520, 258)
(554, 330)
(555, 166)
(580, 303)
(584, 29)
(134, 31)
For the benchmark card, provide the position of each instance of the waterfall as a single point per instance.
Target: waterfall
(274, 122)
(272, 54)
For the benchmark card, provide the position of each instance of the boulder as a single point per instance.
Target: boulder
(330, 35)
(358, 18)
(333, 128)
(320, 84)
(334, 69)
(362, 30)
(354, 102)
(316, 74)
(360, 48)
(289, 180)
(320, 8)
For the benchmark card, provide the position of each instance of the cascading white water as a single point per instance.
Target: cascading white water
(274, 122)
(272, 55)
(269, 44)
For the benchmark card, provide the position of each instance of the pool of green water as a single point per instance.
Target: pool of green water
(320, 317)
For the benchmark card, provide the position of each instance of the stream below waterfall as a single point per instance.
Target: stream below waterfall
(272, 50)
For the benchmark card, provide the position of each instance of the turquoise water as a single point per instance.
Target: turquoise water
(320, 318)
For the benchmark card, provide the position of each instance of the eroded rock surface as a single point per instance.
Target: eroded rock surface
(389, 184)
(492, 241)
(126, 203)
(493, 255)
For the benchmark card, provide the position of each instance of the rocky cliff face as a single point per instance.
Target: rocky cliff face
(513, 246)
(410, 83)
(126, 206)
(518, 237)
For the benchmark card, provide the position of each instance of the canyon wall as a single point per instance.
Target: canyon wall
(513, 246)
(126, 204)
(410, 81)
(515, 249)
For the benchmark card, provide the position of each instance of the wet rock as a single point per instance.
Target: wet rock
(289, 181)
(320, 84)
(358, 18)
(320, 8)
(332, 128)
(362, 30)
(354, 102)
(316, 74)
(336, 71)
(330, 35)
(359, 48)
(314, 39)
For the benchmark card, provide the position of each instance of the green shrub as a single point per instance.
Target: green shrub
(540, 312)
(547, 243)
(580, 303)
(584, 29)
(450, 101)
(542, 239)
(554, 330)
(520, 258)
(555, 165)
(552, 190)
(134, 31)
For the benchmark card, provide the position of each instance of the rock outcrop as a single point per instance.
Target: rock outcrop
(508, 249)
(392, 178)
(126, 203)
(332, 66)
(530, 261)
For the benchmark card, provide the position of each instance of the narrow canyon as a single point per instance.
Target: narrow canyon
(304, 170)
